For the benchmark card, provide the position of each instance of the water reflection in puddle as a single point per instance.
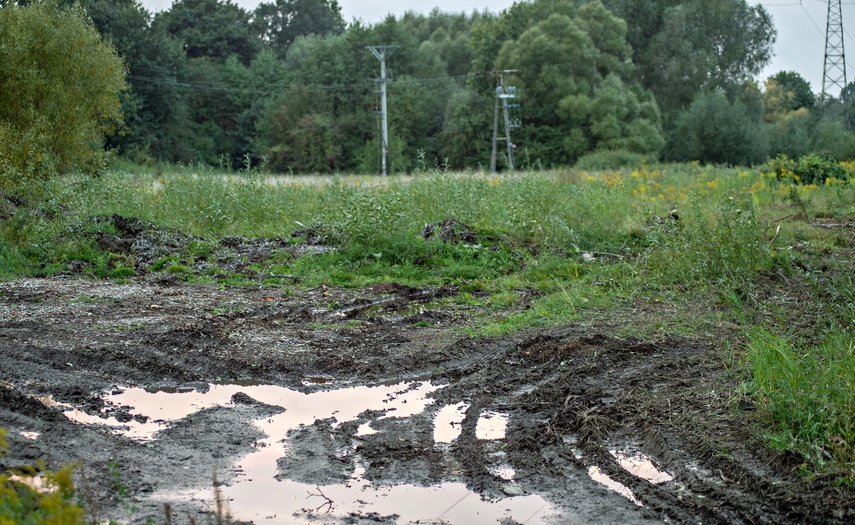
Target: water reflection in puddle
(315, 381)
(636, 464)
(447, 422)
(256, 494)
(450, 503)
(504, 472)
(642, 467)
(37, 483)
(599, 476)
(491, 425)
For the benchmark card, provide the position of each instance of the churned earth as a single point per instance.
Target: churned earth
(330, 405)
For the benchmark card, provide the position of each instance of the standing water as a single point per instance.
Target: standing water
(256, 493)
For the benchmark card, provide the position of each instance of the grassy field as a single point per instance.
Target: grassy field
(767, 252)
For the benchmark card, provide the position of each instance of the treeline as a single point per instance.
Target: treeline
(292, 85)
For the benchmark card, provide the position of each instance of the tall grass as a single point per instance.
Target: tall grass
(810, 394)
(520, 218)
(582, 240)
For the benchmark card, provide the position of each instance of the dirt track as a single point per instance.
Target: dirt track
(571, 395)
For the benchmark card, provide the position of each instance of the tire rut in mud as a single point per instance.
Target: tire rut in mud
(572, 395)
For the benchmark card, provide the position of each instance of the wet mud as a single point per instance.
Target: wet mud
(300, 412)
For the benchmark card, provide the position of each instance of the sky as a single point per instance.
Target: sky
(801, 26)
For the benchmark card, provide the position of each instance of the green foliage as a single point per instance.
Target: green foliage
(721, 245)
(279, 23)
(206, 76)
(809, 169)
(59, 87)
(809, 392)
(795, 90)
(715, 130)
(790, 134)
(611, 160)
(215, 29)
(302, 133)
(832, 139)
(25, 504)
(153, 105)
(685, 47)
(572, 74)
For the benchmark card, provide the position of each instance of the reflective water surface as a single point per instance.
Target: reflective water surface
(256, 494)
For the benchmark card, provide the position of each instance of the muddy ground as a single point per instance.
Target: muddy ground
(571, 395)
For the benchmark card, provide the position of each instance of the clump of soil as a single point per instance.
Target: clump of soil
(451, 231)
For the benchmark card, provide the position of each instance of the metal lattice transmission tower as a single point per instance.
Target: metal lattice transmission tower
(505, 97)
(382, 53)
(834, 72)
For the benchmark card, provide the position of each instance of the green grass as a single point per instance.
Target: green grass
(664, 249)
(809, 392)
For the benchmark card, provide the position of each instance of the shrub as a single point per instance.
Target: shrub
(22, 504)
(809, 169)
(715, 130)
(611, 160)
(59, 87)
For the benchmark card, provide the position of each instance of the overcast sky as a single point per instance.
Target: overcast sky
(801, 26)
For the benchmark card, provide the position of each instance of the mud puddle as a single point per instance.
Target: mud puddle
(261, 490)
(456, 429)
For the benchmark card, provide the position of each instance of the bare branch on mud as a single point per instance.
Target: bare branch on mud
(328, 503)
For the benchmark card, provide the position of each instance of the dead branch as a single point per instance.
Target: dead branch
(328, 503)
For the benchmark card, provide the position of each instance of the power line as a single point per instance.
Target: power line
(224, 87)
(811, 19)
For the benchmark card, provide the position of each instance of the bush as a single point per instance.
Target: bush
(809, 169)
(59, 91)
(20, 503)
(611, 160)
(715, 130)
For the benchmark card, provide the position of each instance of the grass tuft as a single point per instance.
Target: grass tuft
(809, 392)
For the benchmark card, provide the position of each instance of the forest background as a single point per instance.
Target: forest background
(291, 87)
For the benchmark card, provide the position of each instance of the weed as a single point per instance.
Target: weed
(22, 502)
(809, 393)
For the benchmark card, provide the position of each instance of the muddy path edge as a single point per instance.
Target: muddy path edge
(573, 395)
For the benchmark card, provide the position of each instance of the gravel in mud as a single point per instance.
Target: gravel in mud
(573, 396)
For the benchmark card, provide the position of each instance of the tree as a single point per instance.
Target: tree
(790, 134)
(59, 89)
(302, 133)
(684, 47)
(154, 107)
(715, 130)
(788, 101)
(572, 76)
(796, 90)
(211, 28)
(279, 23)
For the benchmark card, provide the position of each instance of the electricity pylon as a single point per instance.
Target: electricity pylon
(382, 53)
(834, 72)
